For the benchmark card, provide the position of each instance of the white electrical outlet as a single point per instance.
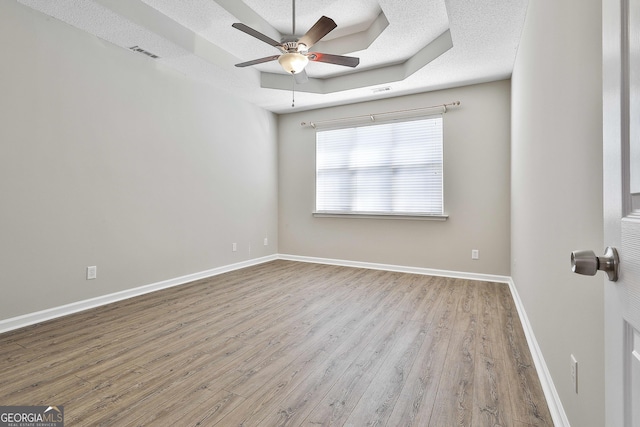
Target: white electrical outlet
(574, 373)
(475, 254)
(92, 272)
(234, 247)
(266, 241)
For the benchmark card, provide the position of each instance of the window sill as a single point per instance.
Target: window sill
(416, 217)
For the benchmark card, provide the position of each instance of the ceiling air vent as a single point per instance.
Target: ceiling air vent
(381, 89)
(145, 52)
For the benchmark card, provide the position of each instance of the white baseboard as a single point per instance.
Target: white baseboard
(558, 414)
(75, 307)
(399, 268)
(553, 400)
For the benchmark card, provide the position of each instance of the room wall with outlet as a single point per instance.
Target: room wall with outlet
(113, 161)
(556, 150)
(476, 189)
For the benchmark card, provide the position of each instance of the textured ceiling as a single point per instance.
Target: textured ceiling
(404, 46)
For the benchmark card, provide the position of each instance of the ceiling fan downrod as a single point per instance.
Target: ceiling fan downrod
(293, 19)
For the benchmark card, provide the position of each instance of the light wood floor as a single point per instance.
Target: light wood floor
(285, 343)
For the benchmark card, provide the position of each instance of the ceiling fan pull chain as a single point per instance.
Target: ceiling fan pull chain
(293, 91)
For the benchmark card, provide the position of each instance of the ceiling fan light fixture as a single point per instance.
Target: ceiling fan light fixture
(293, 62)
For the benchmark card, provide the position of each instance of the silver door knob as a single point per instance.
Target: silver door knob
(586, 262)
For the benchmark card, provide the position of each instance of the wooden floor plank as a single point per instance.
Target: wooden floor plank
(489, 332)
(492, 400)
(415, 404)
(377, 403)
(285, 343)
(207, 410)
(453, 404)
(528, 403)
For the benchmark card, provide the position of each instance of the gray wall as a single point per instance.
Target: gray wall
(556, 196)
(110, 159)
(476, 181)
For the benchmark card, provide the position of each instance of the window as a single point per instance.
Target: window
(393, 168)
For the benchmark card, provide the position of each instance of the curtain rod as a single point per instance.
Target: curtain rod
(372, 117)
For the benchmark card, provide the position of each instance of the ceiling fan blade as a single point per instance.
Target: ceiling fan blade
(258, 61)
(347, 61)
(318, 31)
(256, 34)
(301, 77)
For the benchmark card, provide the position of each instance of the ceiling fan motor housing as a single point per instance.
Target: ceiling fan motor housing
(294, 46)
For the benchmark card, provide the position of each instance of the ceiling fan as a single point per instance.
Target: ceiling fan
(295, 54)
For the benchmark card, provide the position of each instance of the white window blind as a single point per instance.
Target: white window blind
(392, 168)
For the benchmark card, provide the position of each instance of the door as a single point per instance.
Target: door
(621, 132)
